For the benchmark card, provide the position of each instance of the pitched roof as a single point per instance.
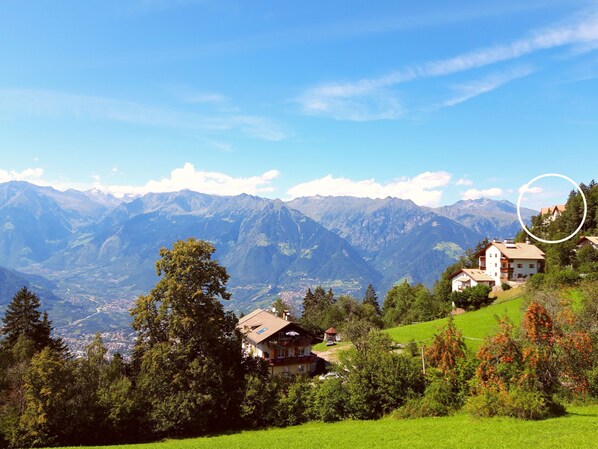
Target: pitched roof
(260, 325)
(475, 274)
(330, 331)
(590, 238)
(518, 250)
(552, 209)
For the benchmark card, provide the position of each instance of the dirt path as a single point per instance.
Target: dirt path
(331, 353)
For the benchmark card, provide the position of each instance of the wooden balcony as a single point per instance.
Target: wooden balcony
(290, 342)
(282, 361)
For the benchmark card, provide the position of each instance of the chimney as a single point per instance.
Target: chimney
(286, 315)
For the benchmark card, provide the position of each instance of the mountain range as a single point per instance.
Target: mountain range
(92, 254)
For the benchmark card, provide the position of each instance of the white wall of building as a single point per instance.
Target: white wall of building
(524, 268)
(458, 285)
(493, 262)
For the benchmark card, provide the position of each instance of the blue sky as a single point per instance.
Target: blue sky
(434, 101)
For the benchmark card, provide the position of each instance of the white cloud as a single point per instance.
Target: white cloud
(187, 177)
(29, 175)
(423, 189)
(473, 194)
(464, 182)
(49, 103)
(527, 189)
(488, 84)
(337, 99)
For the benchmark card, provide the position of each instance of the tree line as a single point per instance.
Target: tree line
(188, 375)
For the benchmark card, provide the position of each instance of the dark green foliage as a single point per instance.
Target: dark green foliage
(554, 279)
(372, 299)
(406, 304)
(322, 310)
(23, 319)
(438, 400)
(317, 309)
(377, 379)
(518, 402)
(472, 298)
(330, 400)
(505, 286)
(295, 403)
(259, 405)
(188, 350)
(563, 255)
(586, 259)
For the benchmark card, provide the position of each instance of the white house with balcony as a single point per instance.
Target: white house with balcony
(470, 277)
(511, 262)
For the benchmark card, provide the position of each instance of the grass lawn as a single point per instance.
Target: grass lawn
(474, 325)
(579, 429)
(320, 347)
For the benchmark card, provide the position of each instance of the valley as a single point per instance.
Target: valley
(96, 253)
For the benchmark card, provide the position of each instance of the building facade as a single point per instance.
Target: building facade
(511, 262)
(285, 345)
(470, 277)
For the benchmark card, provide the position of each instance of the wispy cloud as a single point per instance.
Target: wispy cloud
(57, 104)
(464, 182)
(527, 189)
(336, 99)
(424, 189)
(487, 84)
(473, 194)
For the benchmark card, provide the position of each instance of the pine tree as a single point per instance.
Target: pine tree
(22, 320)
(309, 303)
(372, 299)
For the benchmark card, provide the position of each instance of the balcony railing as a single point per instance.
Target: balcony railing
(292, 341)
(281, 361)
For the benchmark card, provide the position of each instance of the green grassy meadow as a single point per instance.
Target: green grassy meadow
(474, 325)
(578, 429)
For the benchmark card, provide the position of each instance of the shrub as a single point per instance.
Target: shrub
(517, 402)
(593, 382)
(379, 380)
(295, 405)
(412, 348)
(505, 286)
(472, 298)
(330, 400)
(438, 400)
(536, 282)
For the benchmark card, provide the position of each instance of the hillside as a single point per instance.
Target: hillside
(474, 325)
(576, 430)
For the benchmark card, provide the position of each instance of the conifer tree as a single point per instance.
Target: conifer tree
(22, 320)
(372, 299)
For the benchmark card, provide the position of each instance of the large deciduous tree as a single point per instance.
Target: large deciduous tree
(188, 351)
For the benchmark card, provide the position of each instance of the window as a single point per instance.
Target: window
(282, 353)
(300, 352)
(519, 265)
(301, 368)
(495, 265)
(532, 265)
